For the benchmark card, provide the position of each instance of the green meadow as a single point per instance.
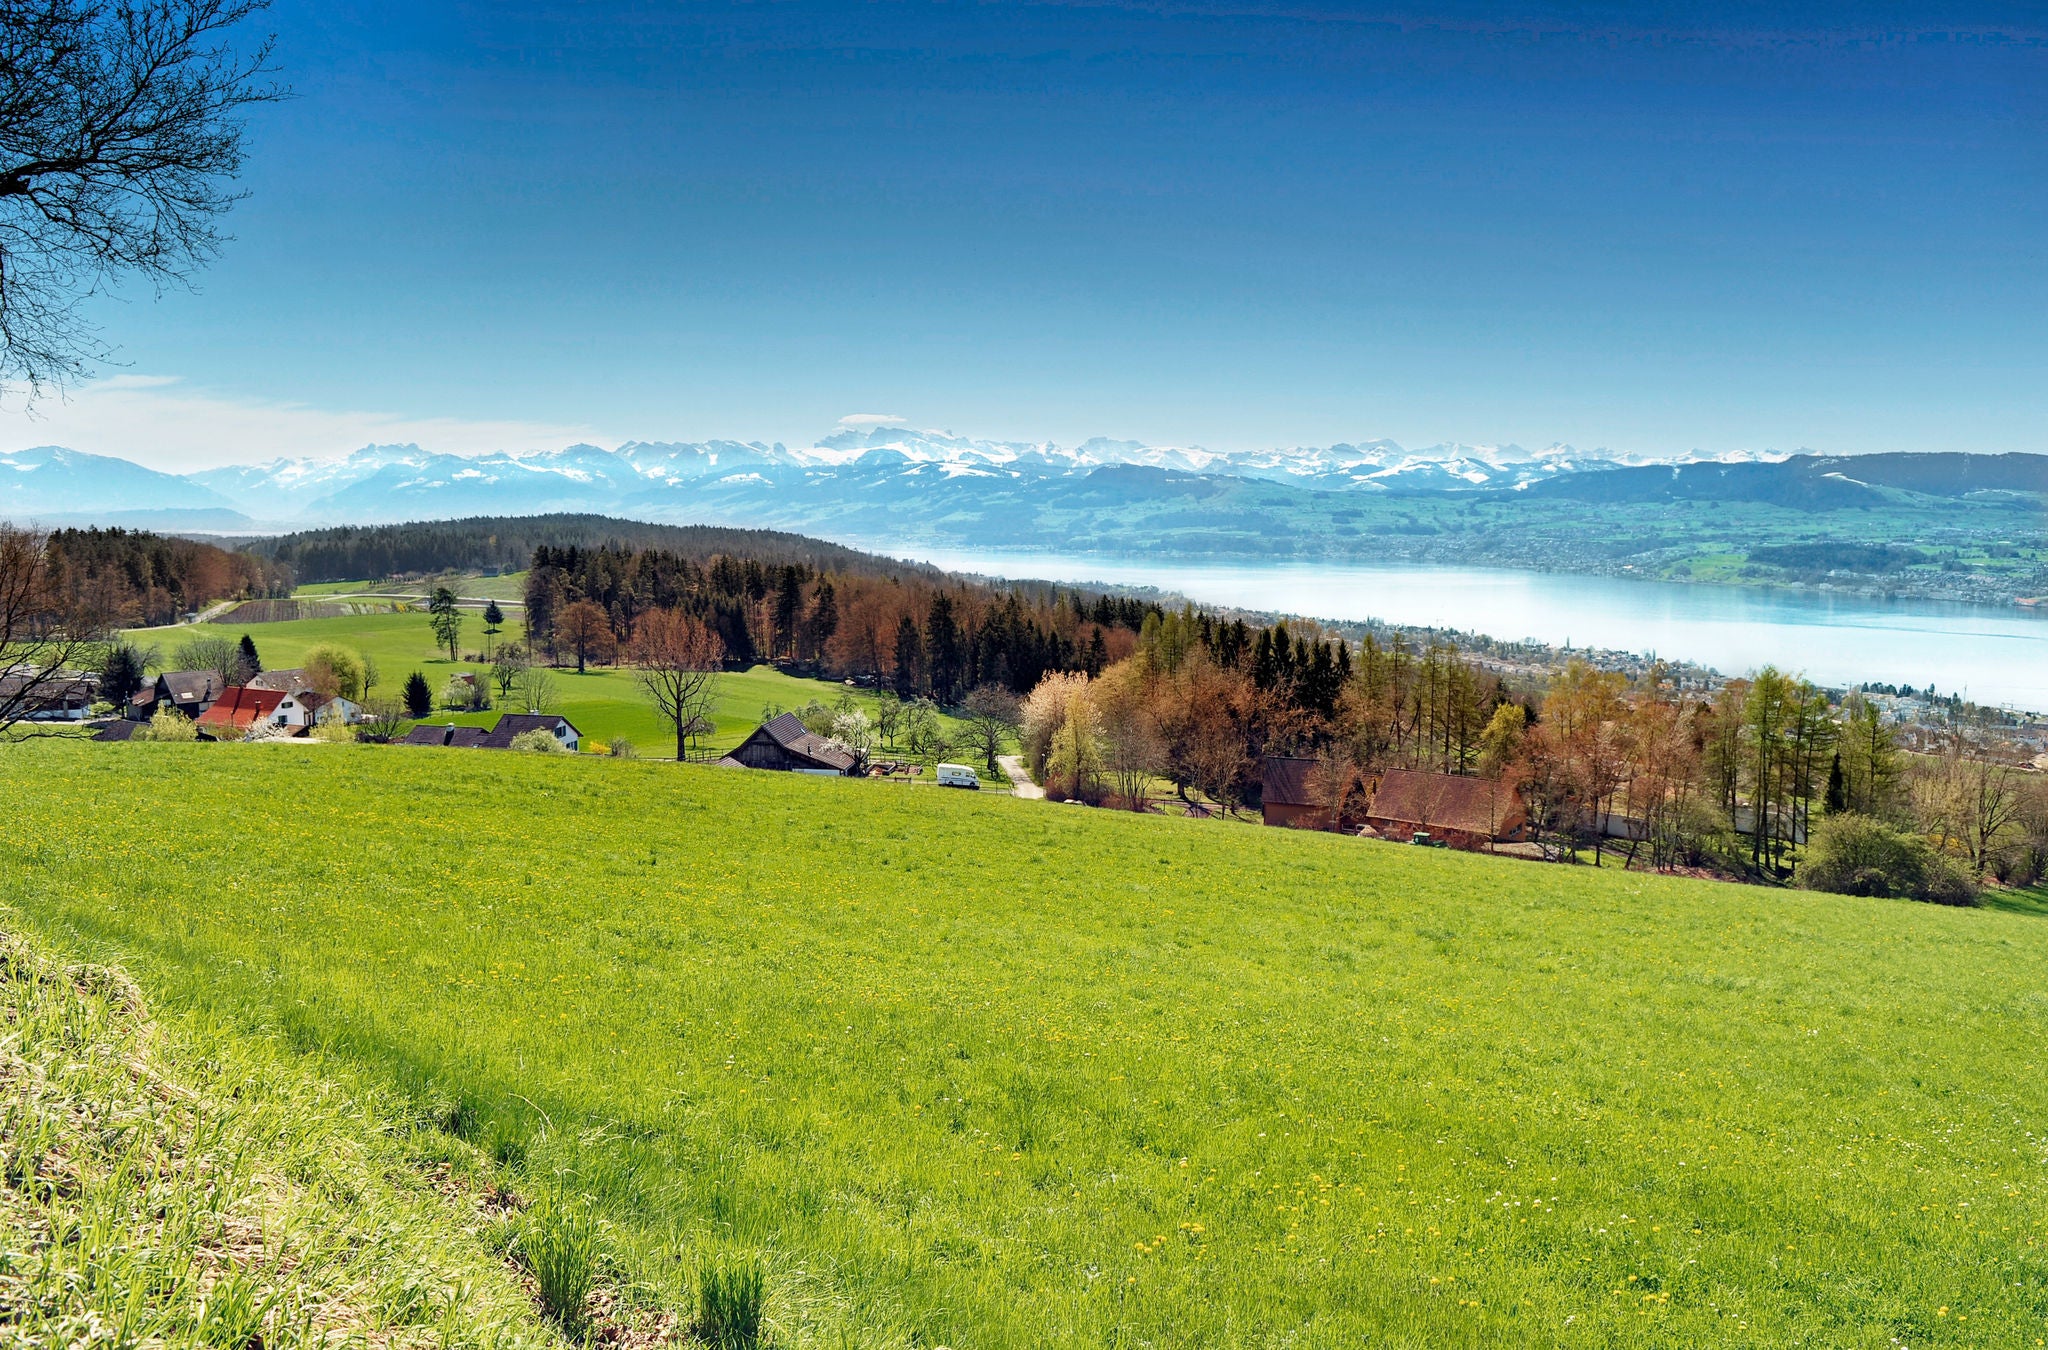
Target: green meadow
(972, 1071)
(604, 703)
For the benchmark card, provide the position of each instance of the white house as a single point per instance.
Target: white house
(307, 708)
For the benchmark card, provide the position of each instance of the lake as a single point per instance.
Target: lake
(1992, 655)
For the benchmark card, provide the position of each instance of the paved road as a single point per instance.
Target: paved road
(1020, 781)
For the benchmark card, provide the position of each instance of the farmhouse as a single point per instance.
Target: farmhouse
(783, 742)
(1285, 798)
(289, 680)
(190, 692)
(1468, 813)
(510, 725)
(49, 695)
(237, 709)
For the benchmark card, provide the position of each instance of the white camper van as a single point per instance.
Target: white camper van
(958, 775)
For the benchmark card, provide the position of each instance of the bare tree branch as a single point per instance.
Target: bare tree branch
(120, 130)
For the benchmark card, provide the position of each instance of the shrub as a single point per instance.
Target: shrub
(1856, 855)
(557, 1246)
(540, 742)
(171, 725)
(730, 1292)
(333, 730)
(621, 748)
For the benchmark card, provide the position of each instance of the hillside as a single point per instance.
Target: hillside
(977, 1071)
(172, 1182)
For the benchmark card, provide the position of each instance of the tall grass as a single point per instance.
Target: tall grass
(730, 1294)
(558, 1246)
(978, 1072)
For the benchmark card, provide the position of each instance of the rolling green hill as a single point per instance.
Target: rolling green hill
(605, 703)
(973, 1071)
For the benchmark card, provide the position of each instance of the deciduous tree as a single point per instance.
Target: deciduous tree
(678, 659)
(988, 719)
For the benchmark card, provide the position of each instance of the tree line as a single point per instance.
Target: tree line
(132, 578)
(917, 634)
(1768, 777)
(507, 544)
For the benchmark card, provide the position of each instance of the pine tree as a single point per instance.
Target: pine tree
(419, 698)
(251, 664)
(942, 650)
(909, 656)
(1837, 796)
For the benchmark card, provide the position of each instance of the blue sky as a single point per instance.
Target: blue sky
(1231, 224)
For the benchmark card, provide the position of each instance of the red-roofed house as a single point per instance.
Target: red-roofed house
(236, 710)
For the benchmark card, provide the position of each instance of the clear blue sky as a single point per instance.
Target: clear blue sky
(1234, 224)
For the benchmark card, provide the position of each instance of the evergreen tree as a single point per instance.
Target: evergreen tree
(446, 621)
(824, 620)
(942, 653)
(251, 664)
(909, 657)
(419, 697)
(121, 674)
(789, 609)
(1837, 796)
(494, 623)
(1098, 655)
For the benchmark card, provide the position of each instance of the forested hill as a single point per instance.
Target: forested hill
(1815, 481)
(506, 543)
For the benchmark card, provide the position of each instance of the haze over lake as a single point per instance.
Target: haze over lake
(1991, 655)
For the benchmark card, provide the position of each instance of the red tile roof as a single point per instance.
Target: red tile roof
(240, 707)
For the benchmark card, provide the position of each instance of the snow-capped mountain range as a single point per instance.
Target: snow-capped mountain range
(731, 480)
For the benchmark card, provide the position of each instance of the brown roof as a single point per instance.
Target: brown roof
(426, 734)
(788, 731)
(500, 736)
(119, 731)
(290, 680)
(1284, 781)
(191, 686)
(1442, 801)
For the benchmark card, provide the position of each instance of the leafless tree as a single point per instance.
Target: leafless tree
(678, 658)
(989, 718)
(209, 651)
(120, 130)
(45, 633)
(535, 690)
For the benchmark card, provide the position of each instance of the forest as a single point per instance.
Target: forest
(1764, 778)
(506, 544)
(132, 578)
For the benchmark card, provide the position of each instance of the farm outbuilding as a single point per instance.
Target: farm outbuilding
(784, 743)
(1467, 813)
(1285, 795)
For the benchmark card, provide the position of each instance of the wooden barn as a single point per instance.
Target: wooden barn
(1284, 797)
(782, 742)
(1467, 813)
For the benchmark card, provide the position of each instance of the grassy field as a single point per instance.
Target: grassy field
(984, 1072)
(604, 703)
(173, 1181)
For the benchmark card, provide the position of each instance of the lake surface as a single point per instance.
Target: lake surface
(1992, 655)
